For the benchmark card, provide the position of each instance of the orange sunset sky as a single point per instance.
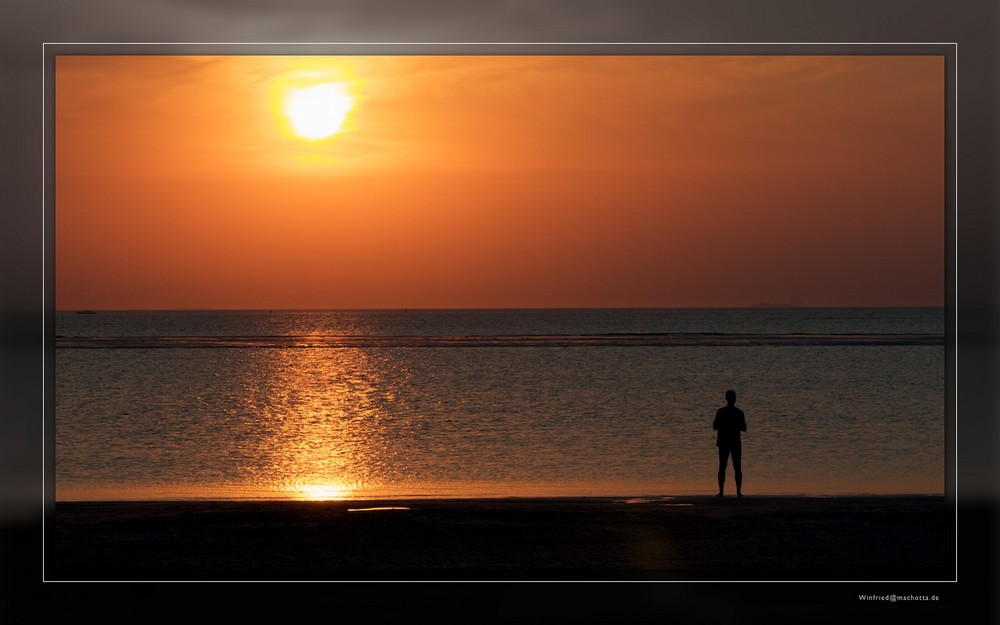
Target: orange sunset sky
(499, 181)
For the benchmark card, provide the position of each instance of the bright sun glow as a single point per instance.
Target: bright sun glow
(323, 492)
(318, 111)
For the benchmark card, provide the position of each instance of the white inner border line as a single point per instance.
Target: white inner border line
(332, 46)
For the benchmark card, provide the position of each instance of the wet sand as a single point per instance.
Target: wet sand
(773, 538)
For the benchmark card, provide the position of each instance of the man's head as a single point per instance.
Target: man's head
(730, 397)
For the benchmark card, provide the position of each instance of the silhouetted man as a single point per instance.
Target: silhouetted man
(730, 421)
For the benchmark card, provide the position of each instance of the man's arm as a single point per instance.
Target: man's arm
(743, 421)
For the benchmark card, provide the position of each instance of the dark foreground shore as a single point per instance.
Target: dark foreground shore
(685, 539)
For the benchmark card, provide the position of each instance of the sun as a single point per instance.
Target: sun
(318, 111)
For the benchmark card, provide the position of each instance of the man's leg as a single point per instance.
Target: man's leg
(723, 459)
(737, 452)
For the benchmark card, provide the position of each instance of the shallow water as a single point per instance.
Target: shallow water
(314, 405)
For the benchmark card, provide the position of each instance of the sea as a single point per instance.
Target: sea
(387, 404)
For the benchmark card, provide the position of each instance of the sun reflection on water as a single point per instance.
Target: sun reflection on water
(323, 492)
(321, 421)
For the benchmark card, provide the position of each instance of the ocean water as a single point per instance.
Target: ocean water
(504, 403)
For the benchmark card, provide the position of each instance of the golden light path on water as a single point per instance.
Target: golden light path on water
(325, 409)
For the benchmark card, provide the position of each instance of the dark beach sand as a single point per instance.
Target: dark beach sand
(679, 539)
